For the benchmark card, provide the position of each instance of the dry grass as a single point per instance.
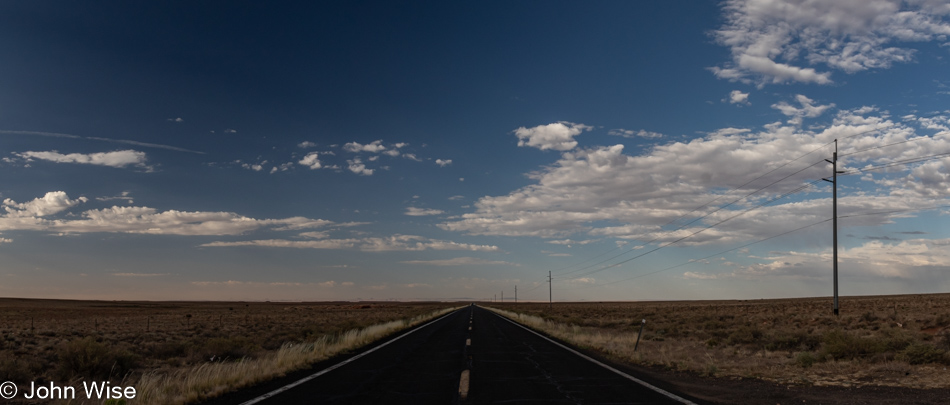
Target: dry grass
(212, 379)
(153, 343)
(892, 341)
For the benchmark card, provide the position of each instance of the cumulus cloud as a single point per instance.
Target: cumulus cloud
(605, 192)
(808, 109)
(419, 212)
(311, 160)
(118, 159)
(557, 136)
(442, 162)
(771, 39)
(179, 119)
(306, 145)
(53, 202)
(35, 215)
(287, 166)
(738, 97)
(254, 166)
(356, 166)
(372, 147)
(629, 133)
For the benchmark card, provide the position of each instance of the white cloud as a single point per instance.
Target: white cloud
(287, 166)
(306, 145)
(604, 192)
(808, 109)
(179, 119)
(373, 147)
(410, 243)
(557, 136)
(255, 167)
(230, 131)
(33, 216)
(125, 196)
(297, 244)
(923, 260)
(311, 160)
(419, 212)
(768, 38)
(460, 261)
(6, 240)
(140, 274)
(570, 242)
(443, 163)
(629, 133)
(118, 159)
(95, 138)
(53, 202)
(356, 166)
(738, 97)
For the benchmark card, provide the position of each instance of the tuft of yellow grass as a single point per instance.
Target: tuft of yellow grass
(212, 379)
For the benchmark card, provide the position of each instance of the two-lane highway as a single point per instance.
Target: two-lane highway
(511, 364)
(503, 363)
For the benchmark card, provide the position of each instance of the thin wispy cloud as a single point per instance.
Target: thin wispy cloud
(96, 138)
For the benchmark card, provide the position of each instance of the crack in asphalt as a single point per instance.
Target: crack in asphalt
(547, 375)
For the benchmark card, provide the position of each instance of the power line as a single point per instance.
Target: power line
(884, 146)
(902, 162)
(897, 163)
(691, 261)
(707, 204)
(697, 219)
(714, 200)
(806, 186)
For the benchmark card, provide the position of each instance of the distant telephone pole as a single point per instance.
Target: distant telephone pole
(550, 296)
(502, 295)
(834, 216)
(516, 294)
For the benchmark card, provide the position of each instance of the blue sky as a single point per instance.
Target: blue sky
(433, 150)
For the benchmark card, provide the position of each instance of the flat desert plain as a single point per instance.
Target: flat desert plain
(876, 342)
(66, 342)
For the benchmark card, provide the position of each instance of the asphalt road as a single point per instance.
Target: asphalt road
(506, 364)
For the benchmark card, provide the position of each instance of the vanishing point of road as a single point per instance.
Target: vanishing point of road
(470, 356)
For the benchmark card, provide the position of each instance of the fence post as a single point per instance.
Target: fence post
(640, 333)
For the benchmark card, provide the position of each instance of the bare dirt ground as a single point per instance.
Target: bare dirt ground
(65, 341)
(882, 349)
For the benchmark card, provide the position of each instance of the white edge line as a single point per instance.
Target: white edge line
(341, 364)
(588, 358)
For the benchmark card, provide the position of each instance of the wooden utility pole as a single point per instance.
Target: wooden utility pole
(516, 294)
(834, 216)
